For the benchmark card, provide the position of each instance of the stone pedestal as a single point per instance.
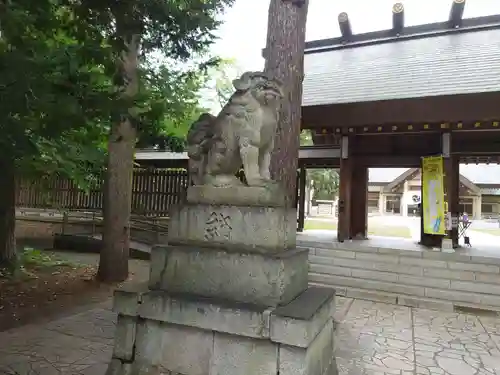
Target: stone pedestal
(162, 333)
(262, 279)
(233, 303)
(243, 228)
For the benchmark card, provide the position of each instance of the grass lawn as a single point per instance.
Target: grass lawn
(384, 231)
(492, 231)
(320, 224)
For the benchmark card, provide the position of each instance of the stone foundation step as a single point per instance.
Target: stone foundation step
(471, 293)
(412, 275)
(410, 262)
(455, 278)
(406, 300)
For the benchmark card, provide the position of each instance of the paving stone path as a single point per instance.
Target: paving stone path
(372, 338)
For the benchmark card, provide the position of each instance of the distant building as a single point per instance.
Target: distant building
(398, 191)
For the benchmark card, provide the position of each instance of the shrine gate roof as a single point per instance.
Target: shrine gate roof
(420, 61)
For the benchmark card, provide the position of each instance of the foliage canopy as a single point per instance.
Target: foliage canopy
(58, 77)
(62, 65)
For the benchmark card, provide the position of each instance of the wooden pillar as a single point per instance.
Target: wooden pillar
(451, 186)
(344, 219)
(302, 199)
(359, 201)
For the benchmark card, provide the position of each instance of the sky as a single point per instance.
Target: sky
(243, 34)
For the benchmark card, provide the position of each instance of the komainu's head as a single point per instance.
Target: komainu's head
(265, 89)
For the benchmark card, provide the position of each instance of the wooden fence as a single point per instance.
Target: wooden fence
(154, 191)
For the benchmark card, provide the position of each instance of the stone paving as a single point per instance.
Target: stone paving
(372, 338)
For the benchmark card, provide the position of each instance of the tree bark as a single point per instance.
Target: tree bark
(284, 56)
(113, 264)
(8, 254)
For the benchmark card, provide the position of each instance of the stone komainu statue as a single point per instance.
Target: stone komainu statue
(242, 134)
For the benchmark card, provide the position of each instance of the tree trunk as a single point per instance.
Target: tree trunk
(113, 264)
(8, 254)
(284, 56)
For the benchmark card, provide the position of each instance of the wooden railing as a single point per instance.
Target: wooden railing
(154, 192)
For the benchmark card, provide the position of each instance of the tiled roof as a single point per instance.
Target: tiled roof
(477, 174)
(490, 191)
(455, 63)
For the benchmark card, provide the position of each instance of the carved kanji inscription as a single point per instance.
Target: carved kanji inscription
(217, 226)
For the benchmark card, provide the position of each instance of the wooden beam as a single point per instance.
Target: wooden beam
(320, 163)
(488, 147)
(415, 128)
(311, 152)
(479, 159)
(456, 13)
(452, 108)
(401, 145)
(398, 18)
(395, 161)
(345, 26)
(389, 161)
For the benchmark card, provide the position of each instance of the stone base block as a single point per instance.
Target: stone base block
(189, 335)
(128, 297)
(299, 322)
(271, 196)
(317, 358)
(262, 279)
(255, 229)
(210, 314)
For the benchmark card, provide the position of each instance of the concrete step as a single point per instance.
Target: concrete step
(398, 258)
(344, 267)
(414, 278)
(457, 293)
(405, 300)
(389, 254)
(397, 281)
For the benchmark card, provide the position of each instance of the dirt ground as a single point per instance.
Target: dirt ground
(44, 292)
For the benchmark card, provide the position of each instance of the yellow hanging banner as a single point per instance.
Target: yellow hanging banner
(433, 204)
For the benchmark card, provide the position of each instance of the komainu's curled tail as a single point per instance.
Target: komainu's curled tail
(199, 140)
